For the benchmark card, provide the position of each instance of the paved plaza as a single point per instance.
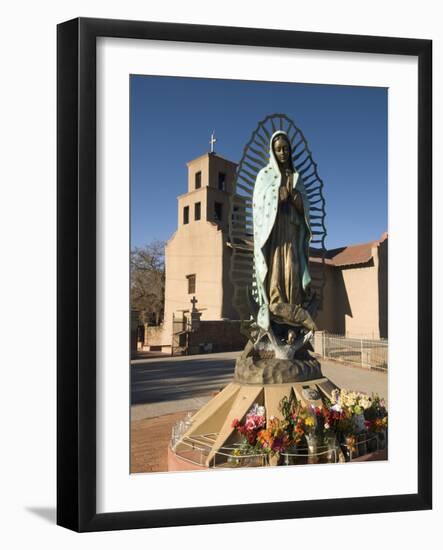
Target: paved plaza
(149, 443)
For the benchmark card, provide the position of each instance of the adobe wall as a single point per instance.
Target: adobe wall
(228, 309)
(197, 249)
(223, 335)
(355, 298)
(361, 285)
(153, 336)
(383, 287)
(328, 318)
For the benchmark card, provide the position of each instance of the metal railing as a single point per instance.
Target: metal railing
(195, 450)
(364, 352)
(181, 326)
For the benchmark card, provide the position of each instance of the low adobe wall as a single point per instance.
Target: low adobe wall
(217, 336)
(153, 336)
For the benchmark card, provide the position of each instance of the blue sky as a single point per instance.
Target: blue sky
(172, 119)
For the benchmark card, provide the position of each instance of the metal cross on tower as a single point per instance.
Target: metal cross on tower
(212, 141)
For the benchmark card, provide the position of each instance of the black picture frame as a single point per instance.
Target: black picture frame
(76, 264)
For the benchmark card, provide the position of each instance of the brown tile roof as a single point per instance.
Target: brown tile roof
(350, 255)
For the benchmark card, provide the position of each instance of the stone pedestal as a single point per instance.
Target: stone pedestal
(256, 370)
(264, 381)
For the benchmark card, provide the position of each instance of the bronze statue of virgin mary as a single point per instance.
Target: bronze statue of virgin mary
(282, 235)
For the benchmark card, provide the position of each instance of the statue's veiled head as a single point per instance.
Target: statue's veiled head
(281, 149)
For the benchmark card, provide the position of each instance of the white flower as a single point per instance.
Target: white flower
(365, 402)
(257, 410)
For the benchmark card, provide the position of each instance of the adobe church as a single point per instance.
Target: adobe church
(197, 264)
(198, 256)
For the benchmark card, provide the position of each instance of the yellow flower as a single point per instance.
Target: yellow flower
(310, 421)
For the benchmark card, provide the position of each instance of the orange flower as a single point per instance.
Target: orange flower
(265, 439)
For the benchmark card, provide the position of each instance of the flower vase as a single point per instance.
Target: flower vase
(312, 449)
(332, 445)
(233, 461)
(351, 449)
(300, 450)
(382, 439)
(358, 421)
(274, 460)
(361, 444)
(372, 443)
(286, 458)
(254, 461)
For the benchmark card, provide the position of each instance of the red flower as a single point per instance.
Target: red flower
(299, 430)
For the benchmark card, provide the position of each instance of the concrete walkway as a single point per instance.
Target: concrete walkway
(152, 410)
(173, 384)
(356, 378)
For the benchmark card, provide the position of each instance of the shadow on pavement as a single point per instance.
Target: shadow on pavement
(155, 382)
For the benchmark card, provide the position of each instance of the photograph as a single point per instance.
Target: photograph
(231, 229)
(258, 261)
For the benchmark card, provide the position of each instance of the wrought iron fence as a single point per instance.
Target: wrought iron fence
(180, 331)
(364, 352)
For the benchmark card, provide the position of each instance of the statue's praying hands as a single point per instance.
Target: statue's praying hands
(284, 193)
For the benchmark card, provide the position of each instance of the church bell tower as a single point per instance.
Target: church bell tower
(198, 256)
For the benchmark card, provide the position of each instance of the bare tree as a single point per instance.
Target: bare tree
(148, 281)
